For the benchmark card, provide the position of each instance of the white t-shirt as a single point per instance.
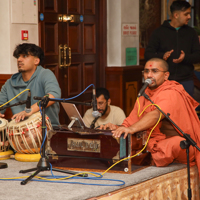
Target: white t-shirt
(116, 116)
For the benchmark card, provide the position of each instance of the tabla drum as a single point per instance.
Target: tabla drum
(5, 151)
(26, 136)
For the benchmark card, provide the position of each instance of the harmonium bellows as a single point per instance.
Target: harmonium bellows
(96, 151)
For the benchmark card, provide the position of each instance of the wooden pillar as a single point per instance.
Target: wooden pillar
(123, 84)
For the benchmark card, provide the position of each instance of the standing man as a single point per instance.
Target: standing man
(109, 113)
(34, 77)
(170, 96)
(178, 44)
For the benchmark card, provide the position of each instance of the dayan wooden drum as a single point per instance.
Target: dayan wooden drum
(26, 136)
(4, 144)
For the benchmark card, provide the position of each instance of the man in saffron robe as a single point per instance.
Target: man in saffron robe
(170, 96)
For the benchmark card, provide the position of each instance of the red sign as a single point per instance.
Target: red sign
(129, 29)
(24, 34)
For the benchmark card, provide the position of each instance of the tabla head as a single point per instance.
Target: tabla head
(3, 124)
(26, 136)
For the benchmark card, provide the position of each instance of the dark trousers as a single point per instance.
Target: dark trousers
(188, 86)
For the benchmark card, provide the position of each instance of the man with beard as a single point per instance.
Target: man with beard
(109, 113)
(34, 77)
(178, 44)
(170, 96)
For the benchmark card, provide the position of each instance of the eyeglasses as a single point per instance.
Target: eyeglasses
(153, 71)
(100, 104)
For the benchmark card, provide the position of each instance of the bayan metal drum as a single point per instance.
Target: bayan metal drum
(26, 136)
(4, 144)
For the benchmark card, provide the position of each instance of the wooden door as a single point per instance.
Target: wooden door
(84, 38)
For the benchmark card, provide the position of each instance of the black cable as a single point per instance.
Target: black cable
(93, 122)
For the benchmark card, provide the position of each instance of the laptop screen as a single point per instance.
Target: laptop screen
(77, 124)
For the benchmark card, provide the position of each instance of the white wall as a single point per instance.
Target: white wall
(121, 12)
(114, 33)
(4, 37)
(16, 15)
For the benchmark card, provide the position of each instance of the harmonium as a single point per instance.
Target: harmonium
(96, 150)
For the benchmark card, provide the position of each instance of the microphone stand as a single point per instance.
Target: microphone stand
(43, 164)
(185, 144)
(15, 104)
(5, 165)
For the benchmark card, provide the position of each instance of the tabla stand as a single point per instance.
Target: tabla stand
(43, 164)
(185, 144)
(5, 165)
(2, 165)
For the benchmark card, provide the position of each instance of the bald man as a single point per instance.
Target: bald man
(170, 96)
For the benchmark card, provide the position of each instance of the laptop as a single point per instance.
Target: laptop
(77, 124)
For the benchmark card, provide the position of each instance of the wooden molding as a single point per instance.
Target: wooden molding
(121, 82)
(4, 78)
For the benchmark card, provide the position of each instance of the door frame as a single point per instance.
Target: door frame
(102, 43)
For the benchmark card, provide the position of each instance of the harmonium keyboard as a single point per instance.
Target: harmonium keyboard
(96, 150)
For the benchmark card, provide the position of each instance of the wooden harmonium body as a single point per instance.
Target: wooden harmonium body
(95, 151)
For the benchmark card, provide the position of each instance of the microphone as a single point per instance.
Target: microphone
(146, 83)
(28, 103)
(95, 112)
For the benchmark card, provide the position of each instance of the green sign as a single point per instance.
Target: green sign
(131, 56)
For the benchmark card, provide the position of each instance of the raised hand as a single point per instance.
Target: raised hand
(181, 57)
(167, 54)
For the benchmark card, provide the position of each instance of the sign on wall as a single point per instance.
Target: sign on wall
(129, 29)
(131, 56)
